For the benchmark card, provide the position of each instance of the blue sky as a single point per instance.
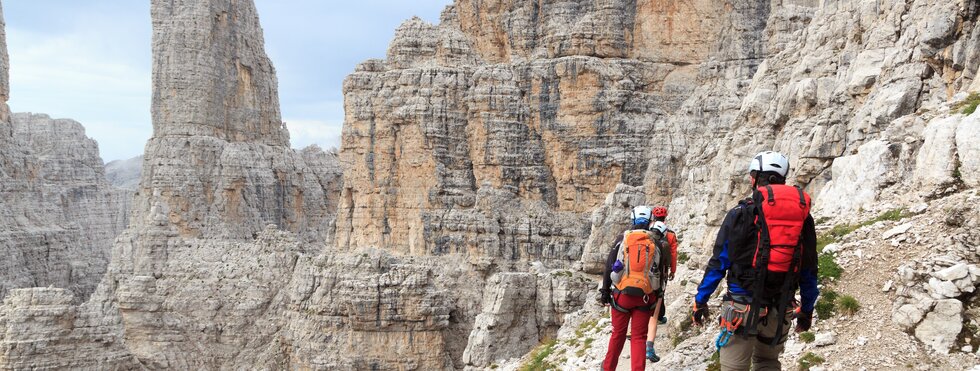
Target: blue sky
(90, 61)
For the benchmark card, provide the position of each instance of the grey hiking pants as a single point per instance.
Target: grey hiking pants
(743, 352)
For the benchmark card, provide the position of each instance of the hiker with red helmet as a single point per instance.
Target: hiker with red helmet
(767, 249)
(631, 285)
(660, 313)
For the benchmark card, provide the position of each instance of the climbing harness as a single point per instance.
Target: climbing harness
(731, 319)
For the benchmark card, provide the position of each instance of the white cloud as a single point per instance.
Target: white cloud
(325, 134)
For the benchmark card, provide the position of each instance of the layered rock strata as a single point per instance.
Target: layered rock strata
(497, 131)
(59, 215)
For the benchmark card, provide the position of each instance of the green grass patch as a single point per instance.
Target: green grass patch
(714, 363)
(826, 306)
(841, 230)
(585, 327)
(848, 305)
(809, 360)
(969, 105)
(537, 361)
(807, 337)
(683, 333)
(682, 257)
(562, 273)
(822, 220)
(827, 268)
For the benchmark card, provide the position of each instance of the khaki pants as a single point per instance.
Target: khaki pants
(741, 352)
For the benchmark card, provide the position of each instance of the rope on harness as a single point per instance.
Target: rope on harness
(724, 337)
(729, 321)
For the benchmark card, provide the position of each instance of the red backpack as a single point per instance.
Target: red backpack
(783, 211)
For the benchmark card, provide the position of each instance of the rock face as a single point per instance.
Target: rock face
(44, 329)
(4, 80)
(125, 174)
(496, 132)
(222, 213)
(508, 140)
(216, 172)
(517, 308)
(60, 214)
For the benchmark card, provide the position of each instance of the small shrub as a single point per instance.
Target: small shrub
(826, 306)
(969, 105)
(682, 257)
(807, 337)
(809, 360)
(822, 220)
(829, 295)
(893, 215)
(841, 230)
(562, 273)
(848, 305)
(714, 363)
(494, 366)
(537, 361)
(827, 268)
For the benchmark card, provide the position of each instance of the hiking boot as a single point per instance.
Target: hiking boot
(651, 353)
(662, 320)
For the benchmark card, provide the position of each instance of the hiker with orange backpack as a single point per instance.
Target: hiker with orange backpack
(767, 249)
(631, 284)
(660, 314)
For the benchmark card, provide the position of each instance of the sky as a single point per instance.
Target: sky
(90, 61)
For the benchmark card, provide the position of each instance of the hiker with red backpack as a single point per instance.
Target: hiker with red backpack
(767, 249)
(631, 285)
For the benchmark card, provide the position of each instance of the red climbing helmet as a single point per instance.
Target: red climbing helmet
(660, 212)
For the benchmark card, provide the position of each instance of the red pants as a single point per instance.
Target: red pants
(638, 317)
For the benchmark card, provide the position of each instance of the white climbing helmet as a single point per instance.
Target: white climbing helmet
(770, 161)
(659, 227)
(641, 214)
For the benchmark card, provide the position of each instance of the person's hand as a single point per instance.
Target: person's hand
(803, 321)
(604, 296)
(670, 277)
(699, 313)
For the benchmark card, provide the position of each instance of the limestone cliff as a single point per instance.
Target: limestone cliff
(507, 141)
(497, 131)
(60, 214)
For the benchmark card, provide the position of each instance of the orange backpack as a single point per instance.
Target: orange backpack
(641, 257)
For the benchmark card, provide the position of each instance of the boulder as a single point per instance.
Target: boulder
(907, 316)
(824, 339)
(940, 327)
(901, 229)
(936, 161)
(968, 150)
(953, 273)
(940, 289)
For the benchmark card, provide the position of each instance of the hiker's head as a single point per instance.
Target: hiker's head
(659, 228)
(659, 213)
(768, 168)
(640, 217)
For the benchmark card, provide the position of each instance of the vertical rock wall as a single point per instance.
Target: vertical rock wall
(497, 131)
